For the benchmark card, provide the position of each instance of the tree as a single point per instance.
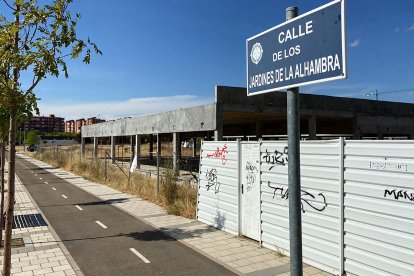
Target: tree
(31, 137)
(3, 125)
(35, 38)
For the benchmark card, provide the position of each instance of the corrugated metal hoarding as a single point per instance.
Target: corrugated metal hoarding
(379, 207)
(218, 189)
(357, 200)
(320, 198)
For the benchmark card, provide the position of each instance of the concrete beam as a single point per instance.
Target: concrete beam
(113, 153)
(200, 118)
(176, 149)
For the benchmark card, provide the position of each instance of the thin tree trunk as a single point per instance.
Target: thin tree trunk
(3, 158)
(10, 193)
(12, 155)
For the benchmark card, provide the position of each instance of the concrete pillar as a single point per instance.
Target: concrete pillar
(113, 153)
(159, 147)
(82, 148)
(356, 132)
(176, 149)
(312, 128)
(151, 147)
(138, 150)
(259, 129)
(131, 149)
(95, 147)
(194, 147)
(218, 133)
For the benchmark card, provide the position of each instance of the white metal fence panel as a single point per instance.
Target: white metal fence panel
(357, 201)
(379, 210)
(320, 177)
(218, 192)
(250, 189)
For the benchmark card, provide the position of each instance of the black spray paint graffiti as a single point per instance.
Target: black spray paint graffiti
(251, 171)
(211, 176)
(307, 198)
(276, 158)
(399, 194)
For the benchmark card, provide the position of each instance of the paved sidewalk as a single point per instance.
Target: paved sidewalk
(240, 255)
(42, 253)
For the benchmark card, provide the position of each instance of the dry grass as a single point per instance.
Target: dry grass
(176, 199)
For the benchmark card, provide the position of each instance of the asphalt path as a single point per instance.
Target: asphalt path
(102, 239)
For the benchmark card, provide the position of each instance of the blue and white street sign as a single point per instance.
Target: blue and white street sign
(305, 50)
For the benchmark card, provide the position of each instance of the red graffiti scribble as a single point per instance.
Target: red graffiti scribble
(220, 153)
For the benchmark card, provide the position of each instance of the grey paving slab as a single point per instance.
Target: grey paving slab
(41, 243)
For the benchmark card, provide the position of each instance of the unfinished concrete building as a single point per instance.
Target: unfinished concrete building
(234, 115)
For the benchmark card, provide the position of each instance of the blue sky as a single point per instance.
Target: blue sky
(163, 55)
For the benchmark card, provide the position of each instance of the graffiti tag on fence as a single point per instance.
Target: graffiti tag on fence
(389, 166)
(220, 153)
(306, 198)
(211, 176)
(276, 158)
(251, 171)
(399, 194)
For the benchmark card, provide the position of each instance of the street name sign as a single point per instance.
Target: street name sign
(305, 50)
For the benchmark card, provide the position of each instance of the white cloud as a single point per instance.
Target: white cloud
(119, 109)
(397, 29)
(411, 28)
(355, 43)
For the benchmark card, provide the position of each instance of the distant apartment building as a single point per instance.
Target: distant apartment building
(75, 126)
(44, 124)
(70, 126)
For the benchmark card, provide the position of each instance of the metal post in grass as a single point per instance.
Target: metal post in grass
(158, 166)
(106, 166)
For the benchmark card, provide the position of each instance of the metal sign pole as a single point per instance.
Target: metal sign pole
(295, 215)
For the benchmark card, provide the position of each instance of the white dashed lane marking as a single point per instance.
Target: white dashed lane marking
(80, 208)
(101, 224)
(64, 196)
(140, 255)
(53, 188)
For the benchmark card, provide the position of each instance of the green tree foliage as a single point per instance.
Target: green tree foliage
(31, 137)
(36, 37)
(58, 135)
